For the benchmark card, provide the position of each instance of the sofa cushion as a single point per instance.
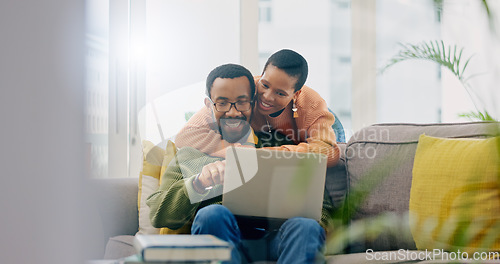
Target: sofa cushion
(455, 194)
(116, 203)
(379, 162)
(119, 247)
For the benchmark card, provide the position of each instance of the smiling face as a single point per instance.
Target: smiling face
(233, 124)
(275, 90)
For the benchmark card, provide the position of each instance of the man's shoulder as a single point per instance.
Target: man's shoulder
(190, 151)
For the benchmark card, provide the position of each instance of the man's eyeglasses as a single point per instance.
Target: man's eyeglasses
(241, 106)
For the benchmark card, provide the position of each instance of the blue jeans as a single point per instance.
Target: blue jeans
(298, 240)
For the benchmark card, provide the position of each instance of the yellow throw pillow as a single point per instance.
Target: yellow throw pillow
(455, 194)
(155, 162)
(167, 157)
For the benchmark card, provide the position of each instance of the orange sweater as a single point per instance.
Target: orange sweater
(311, 130)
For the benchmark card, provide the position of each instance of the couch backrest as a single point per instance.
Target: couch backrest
(380, 158)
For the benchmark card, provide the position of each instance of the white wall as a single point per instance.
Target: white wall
(409, 91)
(42, 151)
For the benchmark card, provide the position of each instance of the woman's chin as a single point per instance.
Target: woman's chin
(264, 110)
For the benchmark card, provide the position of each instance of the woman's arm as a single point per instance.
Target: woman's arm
(314, 130)
(321, 139)
(199, 133)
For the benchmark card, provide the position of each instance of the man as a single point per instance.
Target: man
(191, 188)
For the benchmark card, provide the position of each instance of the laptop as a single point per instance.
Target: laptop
(267, 187)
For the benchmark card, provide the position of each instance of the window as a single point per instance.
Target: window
(418, 90)
(147, 62)
(409, 91)
(265, 11)
(320, 31)
(97, 82)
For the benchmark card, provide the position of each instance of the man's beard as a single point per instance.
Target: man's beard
(234, 129)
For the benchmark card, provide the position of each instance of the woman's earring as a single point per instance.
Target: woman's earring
(294, 109)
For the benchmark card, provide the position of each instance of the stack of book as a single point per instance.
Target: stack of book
(180, 249)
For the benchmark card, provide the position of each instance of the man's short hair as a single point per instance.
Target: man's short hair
(230, 71)
(291, 63)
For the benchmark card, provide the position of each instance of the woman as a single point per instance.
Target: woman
(285, 111)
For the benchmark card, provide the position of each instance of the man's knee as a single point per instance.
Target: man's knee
(215, 213)
(301, 225)
(217, 220)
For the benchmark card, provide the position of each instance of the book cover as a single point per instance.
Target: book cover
(137, 259)
(192, 248)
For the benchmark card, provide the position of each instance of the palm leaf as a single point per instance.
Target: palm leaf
(438, 5)
(491, 17)
(449, 57)
(478, 116)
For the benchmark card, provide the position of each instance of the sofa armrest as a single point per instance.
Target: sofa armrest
(116, 202)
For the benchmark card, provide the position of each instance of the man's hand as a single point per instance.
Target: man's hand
(212, 174)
